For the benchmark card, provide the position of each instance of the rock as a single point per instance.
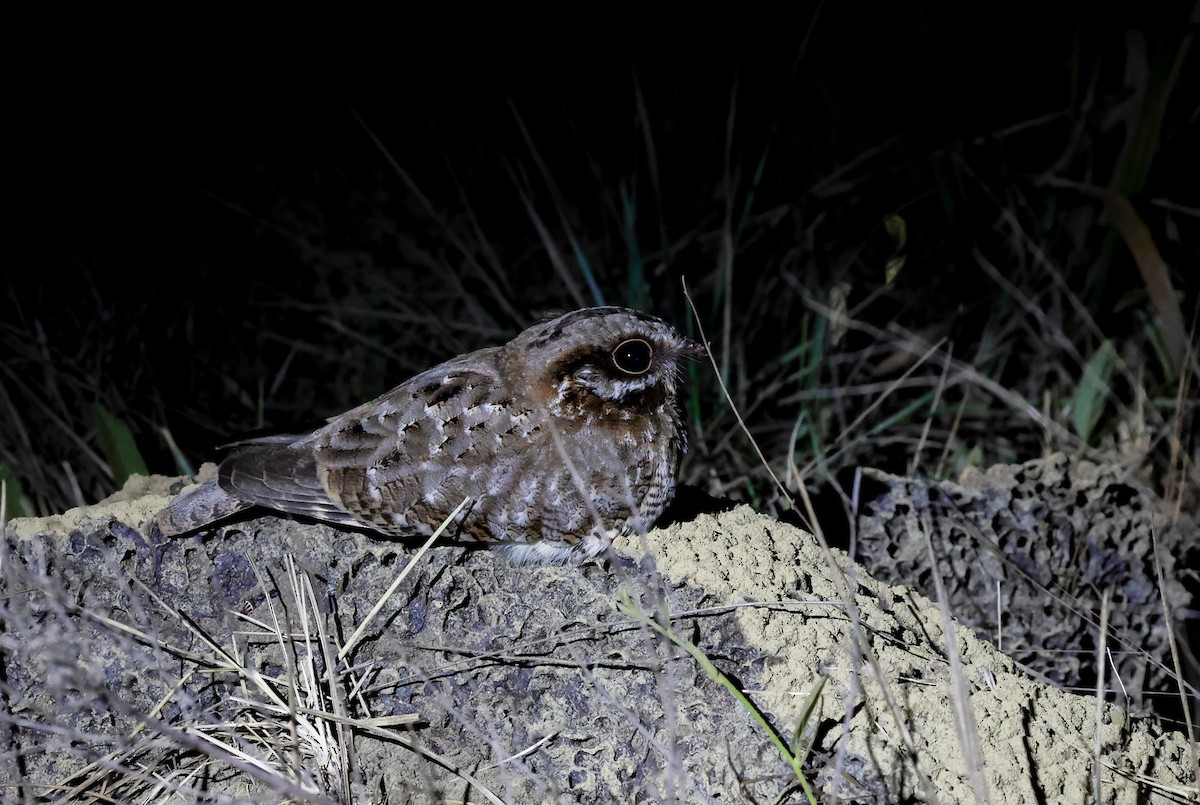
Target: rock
(202, 666)
(1028, 554)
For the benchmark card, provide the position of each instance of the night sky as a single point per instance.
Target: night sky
(131, 162)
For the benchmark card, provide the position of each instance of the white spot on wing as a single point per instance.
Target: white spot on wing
(373, 485)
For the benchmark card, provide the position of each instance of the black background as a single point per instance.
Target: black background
(148, 178)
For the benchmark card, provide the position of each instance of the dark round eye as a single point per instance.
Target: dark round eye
(633, 356)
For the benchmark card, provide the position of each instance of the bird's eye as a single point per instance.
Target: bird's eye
(633, 356)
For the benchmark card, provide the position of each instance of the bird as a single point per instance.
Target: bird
(559, 440)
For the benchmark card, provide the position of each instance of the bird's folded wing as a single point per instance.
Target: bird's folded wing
(280, 477)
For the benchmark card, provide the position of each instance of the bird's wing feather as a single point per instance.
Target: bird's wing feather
(394, 459)
(281, 477)
(365, 467)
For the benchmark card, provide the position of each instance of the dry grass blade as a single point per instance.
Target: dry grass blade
(729, 399)
(839, 573)
(1179, 676)
(1154, 271)
(960, 691)
(293, 733)
(1101, 665)
(362, 627)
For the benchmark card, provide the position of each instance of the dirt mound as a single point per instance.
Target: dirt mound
(208, 664)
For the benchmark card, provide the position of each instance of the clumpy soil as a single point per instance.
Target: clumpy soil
(1030, 555)
(194, 668)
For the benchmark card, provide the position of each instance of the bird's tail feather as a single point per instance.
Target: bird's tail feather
(282, 478)
(197, 508)
(270, 475)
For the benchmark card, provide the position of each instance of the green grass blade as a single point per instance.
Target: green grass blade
(627, 608)
(119, 447)
(18, 504)
(806, 713)
(1092, 393)
(636, 286)
(182, 465)
(585, 267)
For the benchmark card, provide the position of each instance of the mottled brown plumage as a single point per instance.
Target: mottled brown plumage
(562, 438)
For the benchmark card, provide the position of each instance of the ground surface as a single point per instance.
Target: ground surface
(529, 679)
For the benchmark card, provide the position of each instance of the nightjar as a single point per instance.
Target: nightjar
(562, 438)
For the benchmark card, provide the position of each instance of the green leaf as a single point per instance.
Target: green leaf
(806, 714)
(17, 504)
(1093, 390)
(119, 448)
